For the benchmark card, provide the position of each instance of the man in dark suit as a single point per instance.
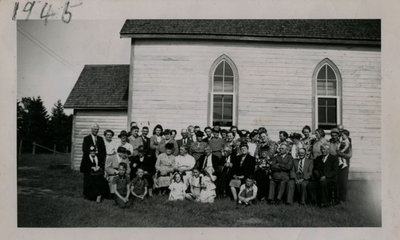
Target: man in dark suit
(324, 176)
(226, 174)
(146, 163)
(281, 166)
(299, 177)
(94, 140)
(143, 141)
(209, 160)
(243, 166)
(185, 141)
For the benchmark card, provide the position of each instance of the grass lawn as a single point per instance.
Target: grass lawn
(50, 195)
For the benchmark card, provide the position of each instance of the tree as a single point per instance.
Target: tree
(32, 122)
(60, 127)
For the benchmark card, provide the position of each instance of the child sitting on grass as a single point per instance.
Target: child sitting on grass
(248, 192)
(121, 187)
(139, 185)
(194, 183)
(177, 187)
(207, 194)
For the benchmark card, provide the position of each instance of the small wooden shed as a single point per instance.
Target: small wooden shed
(99, 96)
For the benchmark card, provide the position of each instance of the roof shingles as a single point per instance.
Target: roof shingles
(100, 87)
(242, 29)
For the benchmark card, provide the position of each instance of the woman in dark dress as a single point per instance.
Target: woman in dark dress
(94, 184)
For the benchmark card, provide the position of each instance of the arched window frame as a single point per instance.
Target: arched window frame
(211, 92)
(338, 97)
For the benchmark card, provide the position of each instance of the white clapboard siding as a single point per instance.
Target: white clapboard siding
(171, 84)
(83, 120)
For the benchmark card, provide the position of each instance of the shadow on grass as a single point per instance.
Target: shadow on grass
(50, 196)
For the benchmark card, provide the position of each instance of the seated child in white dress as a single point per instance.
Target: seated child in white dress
(207, 193)
(248, 192)
(194, 182)
(177, 187)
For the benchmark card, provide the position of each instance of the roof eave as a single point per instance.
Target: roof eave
(254, 39)
(96, 108)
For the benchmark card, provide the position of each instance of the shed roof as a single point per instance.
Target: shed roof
(100, 87)
(351, 31)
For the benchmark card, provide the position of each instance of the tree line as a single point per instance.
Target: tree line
(36, 125)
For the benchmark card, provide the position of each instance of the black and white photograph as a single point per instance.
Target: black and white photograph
(149, 121)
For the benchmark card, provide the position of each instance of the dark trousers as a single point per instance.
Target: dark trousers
(323, 192)
(220, 184)
(342, 180)
(299, 188)
(223, 183)
(281, 184)
(262, 180)
(327, 191)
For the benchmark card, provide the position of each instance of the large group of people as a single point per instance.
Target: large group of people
(202, 166)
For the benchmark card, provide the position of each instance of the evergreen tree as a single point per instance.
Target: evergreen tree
(32, 122)
(60, 127)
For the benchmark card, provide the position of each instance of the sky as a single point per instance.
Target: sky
(51, 56)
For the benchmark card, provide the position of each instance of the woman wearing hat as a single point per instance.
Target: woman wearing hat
(94, 184)
(197, 149)
(167, 139)
(164, 168)
(124, 142)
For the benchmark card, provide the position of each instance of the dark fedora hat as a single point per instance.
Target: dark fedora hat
(123, 133)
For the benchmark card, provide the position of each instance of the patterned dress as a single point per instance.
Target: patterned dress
(164, 166)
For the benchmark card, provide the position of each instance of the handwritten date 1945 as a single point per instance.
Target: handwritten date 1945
(46, 10)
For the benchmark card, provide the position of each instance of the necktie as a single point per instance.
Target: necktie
(184, 141)
(300, 166)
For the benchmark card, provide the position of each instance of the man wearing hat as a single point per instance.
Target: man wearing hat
(112, 165)
(94, 140)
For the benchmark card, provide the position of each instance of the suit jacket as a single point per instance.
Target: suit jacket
(101, 147)
(216, 164)
(307, 169)
(140, 141)
(281, 167)
(246, 168)
(328, 169)
(148, 164)
(180, 142)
